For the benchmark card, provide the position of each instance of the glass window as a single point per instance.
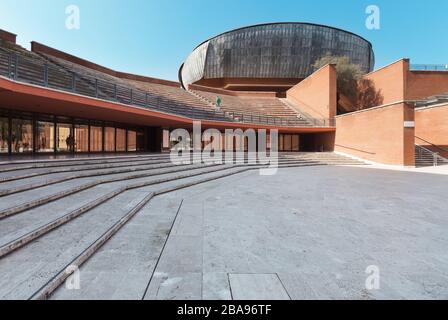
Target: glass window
(287, 142)
(132, 140)
(109, 137)
(96, 139)
(81, 138)
(166, 139)
(140, 140)
(4, 132)
(44, 136)
(121, 140)
(295, 142)
(65, 140)
(21, 136)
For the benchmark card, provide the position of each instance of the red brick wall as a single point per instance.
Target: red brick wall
(378, 134)
(431, 128)
(398, 83)
(7, 36)
(391, 81)
(422, 84)
(324, 141)
(317, 94)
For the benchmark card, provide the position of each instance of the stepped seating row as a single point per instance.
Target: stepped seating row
(28, 66)
(89, 82)
(174, 99)
(66, 222)
(65, 75)
(166, 98)
(265, 106)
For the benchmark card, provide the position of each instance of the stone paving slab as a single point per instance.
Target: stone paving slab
(35, 194)
(26, 270)
(128, 258)
(331, 225)
(257, 287)
(317, 229)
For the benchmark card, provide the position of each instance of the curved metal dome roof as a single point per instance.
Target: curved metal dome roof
(273, 50)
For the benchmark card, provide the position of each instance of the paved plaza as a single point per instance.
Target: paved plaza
(306, 233)
(141, 228)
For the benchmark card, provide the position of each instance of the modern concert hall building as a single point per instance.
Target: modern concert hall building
(264, 76)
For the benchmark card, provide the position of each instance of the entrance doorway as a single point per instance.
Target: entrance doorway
(64, 137)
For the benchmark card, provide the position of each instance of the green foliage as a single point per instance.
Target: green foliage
(360, 92)
(348, 74)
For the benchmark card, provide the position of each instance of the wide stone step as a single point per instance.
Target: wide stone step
(34, 182)
(55, 250)
(103, 216)
(14, 204)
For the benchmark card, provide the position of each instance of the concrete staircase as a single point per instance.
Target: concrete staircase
(259, 109)
(303, 115)
(57, 213)
(427, 158)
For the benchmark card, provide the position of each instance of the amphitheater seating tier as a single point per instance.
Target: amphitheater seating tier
(158, 96)
(265, 106)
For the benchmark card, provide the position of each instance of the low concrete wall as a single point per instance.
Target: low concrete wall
(431, 128)
(317, 94)
(378, 134)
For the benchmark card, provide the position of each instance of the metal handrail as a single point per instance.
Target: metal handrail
(429, 67)
(50, 75)
(436, 157)
(431, 144)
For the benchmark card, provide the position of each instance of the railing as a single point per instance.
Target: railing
(47, 74)
(436, 158)
(432, 145)
(429, 67)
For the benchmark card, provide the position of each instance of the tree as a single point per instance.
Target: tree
(354, 93)
(348, 74)
(368, 96)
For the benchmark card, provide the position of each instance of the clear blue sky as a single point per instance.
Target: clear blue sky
(153, 37)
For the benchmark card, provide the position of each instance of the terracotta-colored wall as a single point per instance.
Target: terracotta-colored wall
(422, 84)
(317, 94)
(391, 81)
(431, 128)
(7, 36)
(378, 134)
(397, 83)
(324, 141)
